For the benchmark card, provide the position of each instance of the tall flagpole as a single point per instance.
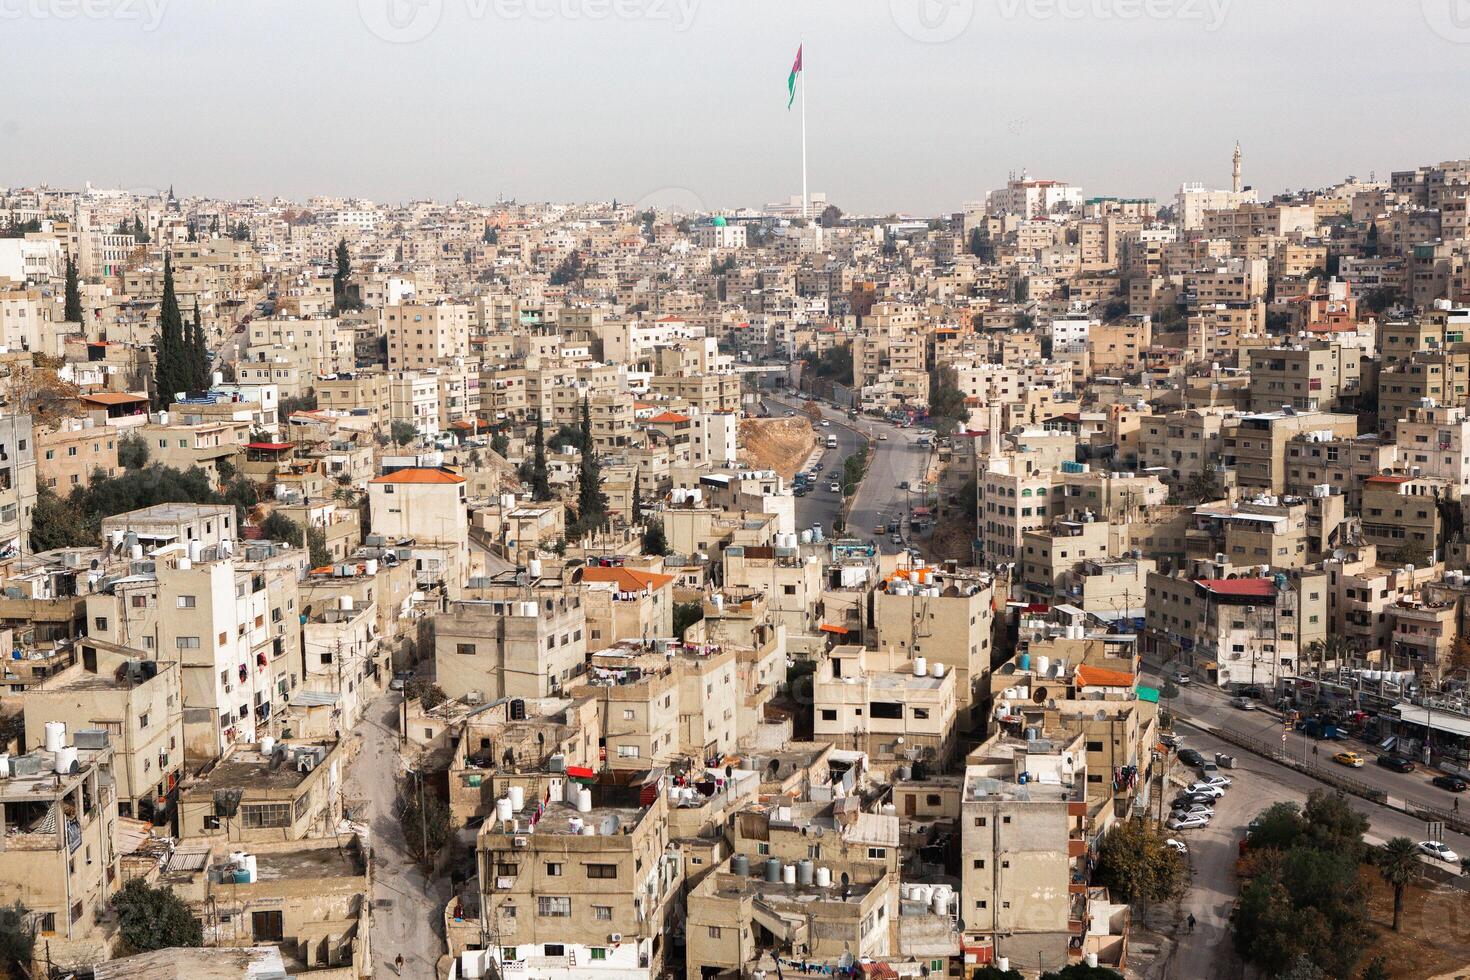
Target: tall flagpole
(802, 82)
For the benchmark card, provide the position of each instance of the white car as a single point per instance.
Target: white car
(826, 424)
(1207, 789)
(1216, 780)
(1188, 822)
(1177, 845)
(1437, 849)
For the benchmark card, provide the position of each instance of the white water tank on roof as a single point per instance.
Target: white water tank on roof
(584, 800)
(824, 877)
(921, 666)
(1043, 664)
(267, 745)
(533, 566)
(936, 669)
(788, 874)
(517, 798)
(55, 736)
(66, 757)
(372, 566)
(503, 809)
(344, 602)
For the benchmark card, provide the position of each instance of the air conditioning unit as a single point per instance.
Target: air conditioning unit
(615, 937)
(520, 842)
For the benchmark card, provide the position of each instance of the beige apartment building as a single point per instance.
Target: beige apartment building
(69, 454)
(1255, 445)
(896, 711)
(420, 335)
(527, 643)
(1361, 587)
(1185, 443)
(425, 505)
(1016, 495)
(1307, 377)
(265, 792)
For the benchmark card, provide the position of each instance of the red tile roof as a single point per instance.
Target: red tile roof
(1089, 676)
(673, 417)
(1262, 588)
(1388, 479)
(268, 445)
(113, 398)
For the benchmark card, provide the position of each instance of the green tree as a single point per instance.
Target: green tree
(591, 502)
(344, 295)
(193, 234)
(402, 433)
(946, 400)
(424, 819)
(1280, 827)
(686, 614)
(198, 353)
(426, 692)
(55, 523)
(637, 508)
(17, 941)
(654, 542)
(316, 547)
(500, 443)
(242, 232)
(492, 235)
(140, 234)
(540, 480)
(1398, 864)
(568, 271)
(977, 243)
(1333, 825)
(1136, 865)
(279, 527)
(152, 918)
(73, 304)
(170, 373)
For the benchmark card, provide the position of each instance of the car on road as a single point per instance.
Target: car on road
(1438, 850)
(1181, 677)
(835, 487)
(895, 539)
(1208, 789)
(1218, 781)
(1190, 757)
(1208, 769)
(1395, 762)
(826, 424)
(1177, 845)
(1350, 759)
(1243, 703)
(790, 414)
(882, 437)
(1452, 783)
(799, 490)
(903, 484)
(1188, 822)
(880, 528)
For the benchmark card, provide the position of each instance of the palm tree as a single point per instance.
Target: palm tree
(1398, 864)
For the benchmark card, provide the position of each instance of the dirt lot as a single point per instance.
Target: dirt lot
(1435, 941)
(776, 444)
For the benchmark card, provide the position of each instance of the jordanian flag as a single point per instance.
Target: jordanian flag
(791, 82)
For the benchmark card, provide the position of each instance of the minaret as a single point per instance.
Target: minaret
(1235, 179)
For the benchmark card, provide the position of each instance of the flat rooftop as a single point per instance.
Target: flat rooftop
(247, 768)
(311, 862)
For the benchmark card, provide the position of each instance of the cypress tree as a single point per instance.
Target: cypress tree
(342, 278)
(171, 374)
(540, 483)
(73, 312)
(591, 504)
(637, 497)
(198, 353)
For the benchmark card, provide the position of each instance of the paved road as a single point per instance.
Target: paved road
(820, 505)
(1210, 705)
(1257, 783)
(408, 907)
(896, 459)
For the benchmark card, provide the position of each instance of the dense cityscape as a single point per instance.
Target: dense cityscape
(1061, 586)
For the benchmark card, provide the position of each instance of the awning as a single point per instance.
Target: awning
(1148, 694)
(837, 630)
(581, 772)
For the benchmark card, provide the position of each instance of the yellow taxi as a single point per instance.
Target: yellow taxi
(1351, 759)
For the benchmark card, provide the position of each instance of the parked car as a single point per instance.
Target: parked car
(1218, 781)
(1452, 783)
(903, 484)
(1209, 789)
(1350, 759)
(826, 424)
(400, 680)
(1395, 762)
(1187, 822)
(835, 487)
(881, 529)
(895, 539)
(1208, 769)
(1171, 739)
(1438, 850)
(882, 437)
(1190, 757)
(1177, 845)
(1244, 703)
(1195, 808)
(1189, 799)
(1181, 677)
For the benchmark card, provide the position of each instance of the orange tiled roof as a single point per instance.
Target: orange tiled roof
(419, 475)
(674, 417)
(627, 579)
(113, 398)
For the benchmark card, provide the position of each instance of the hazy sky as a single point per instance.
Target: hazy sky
(913, 105)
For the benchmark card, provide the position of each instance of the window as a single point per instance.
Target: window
(829, 714)
(186, 602)
(554, 907)
(627, 751)
(257, 815)
(714, 932)
(187, 642)
(101, 623)
(602, 870)
(553, 869)
(877, 853)
(602, 913)
(555, 949)
(465, 649)
(598, 952)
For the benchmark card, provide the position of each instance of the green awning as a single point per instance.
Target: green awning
(1148, 694)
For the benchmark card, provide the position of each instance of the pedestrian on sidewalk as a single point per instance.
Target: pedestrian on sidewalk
(1190, 920)
(398, 965)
